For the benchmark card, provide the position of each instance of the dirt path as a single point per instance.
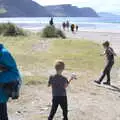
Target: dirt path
(87, 102)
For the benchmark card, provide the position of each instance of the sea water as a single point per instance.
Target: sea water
(86, 23)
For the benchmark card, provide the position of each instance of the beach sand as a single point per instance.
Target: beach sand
(98, 36)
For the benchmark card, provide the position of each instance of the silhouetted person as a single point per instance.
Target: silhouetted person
(51, 21)
(63, 25)
(109, 53)
(76, 28)
(67, 25)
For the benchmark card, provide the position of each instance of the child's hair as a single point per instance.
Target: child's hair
(59, 65)
(106, 43)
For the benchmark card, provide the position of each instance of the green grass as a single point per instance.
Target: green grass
(10, 29)
(79, 55)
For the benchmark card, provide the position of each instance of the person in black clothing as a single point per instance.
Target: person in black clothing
(76, 28)
(64, 25)
(67, 25)
(109, 52)
(59, 84)
(51, 21)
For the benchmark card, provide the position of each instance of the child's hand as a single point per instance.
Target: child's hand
(73, 76)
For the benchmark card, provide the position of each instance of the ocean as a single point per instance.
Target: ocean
(85, 23)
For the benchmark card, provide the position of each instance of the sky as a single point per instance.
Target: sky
(99, 5)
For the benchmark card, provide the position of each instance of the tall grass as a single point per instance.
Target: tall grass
(9, 29)
(52, 32)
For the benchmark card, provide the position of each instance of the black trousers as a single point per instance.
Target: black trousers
(107, 71)
(62, 101)
(3, 111)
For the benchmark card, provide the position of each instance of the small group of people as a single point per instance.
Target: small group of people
(10, 81)
(72, 27)
(66, 25)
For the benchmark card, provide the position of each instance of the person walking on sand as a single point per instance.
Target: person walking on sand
(10, 80)
(76, 28)
(109, 53)
(67, 25)
(59, 84)
(64, 25)
(72, 28)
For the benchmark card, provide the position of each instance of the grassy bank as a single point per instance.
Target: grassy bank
(35, 56)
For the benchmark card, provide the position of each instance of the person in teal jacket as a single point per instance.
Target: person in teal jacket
(9, 73)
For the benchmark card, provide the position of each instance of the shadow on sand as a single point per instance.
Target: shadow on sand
(114, 88)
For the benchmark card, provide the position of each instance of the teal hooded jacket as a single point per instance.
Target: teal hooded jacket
(12, 74)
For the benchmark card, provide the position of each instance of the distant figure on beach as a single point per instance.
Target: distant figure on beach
(51, 21)
(76, 28)
(67, 25)
(72, 28)
(59, 83)
(109, 53)
(10, 80)
(64, 26)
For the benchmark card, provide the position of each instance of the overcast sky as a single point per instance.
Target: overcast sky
(98, 5)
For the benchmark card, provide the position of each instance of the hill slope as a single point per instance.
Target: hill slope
(22, 8)
(71, 11)
(29, 8)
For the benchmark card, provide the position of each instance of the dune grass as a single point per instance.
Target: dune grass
(36, 64)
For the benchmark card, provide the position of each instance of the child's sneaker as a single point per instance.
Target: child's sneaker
(106, 83)
(98, 82)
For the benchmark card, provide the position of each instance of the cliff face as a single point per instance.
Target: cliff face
(23, 8)
(71, 11)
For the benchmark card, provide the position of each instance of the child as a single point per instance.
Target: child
(59, 84)
(109, 53)
(9, 79)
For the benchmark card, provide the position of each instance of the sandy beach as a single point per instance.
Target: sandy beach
(98, 36)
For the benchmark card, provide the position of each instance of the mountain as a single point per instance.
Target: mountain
(68, 10)
(107, 14)
(22, 8)
(29, 8)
